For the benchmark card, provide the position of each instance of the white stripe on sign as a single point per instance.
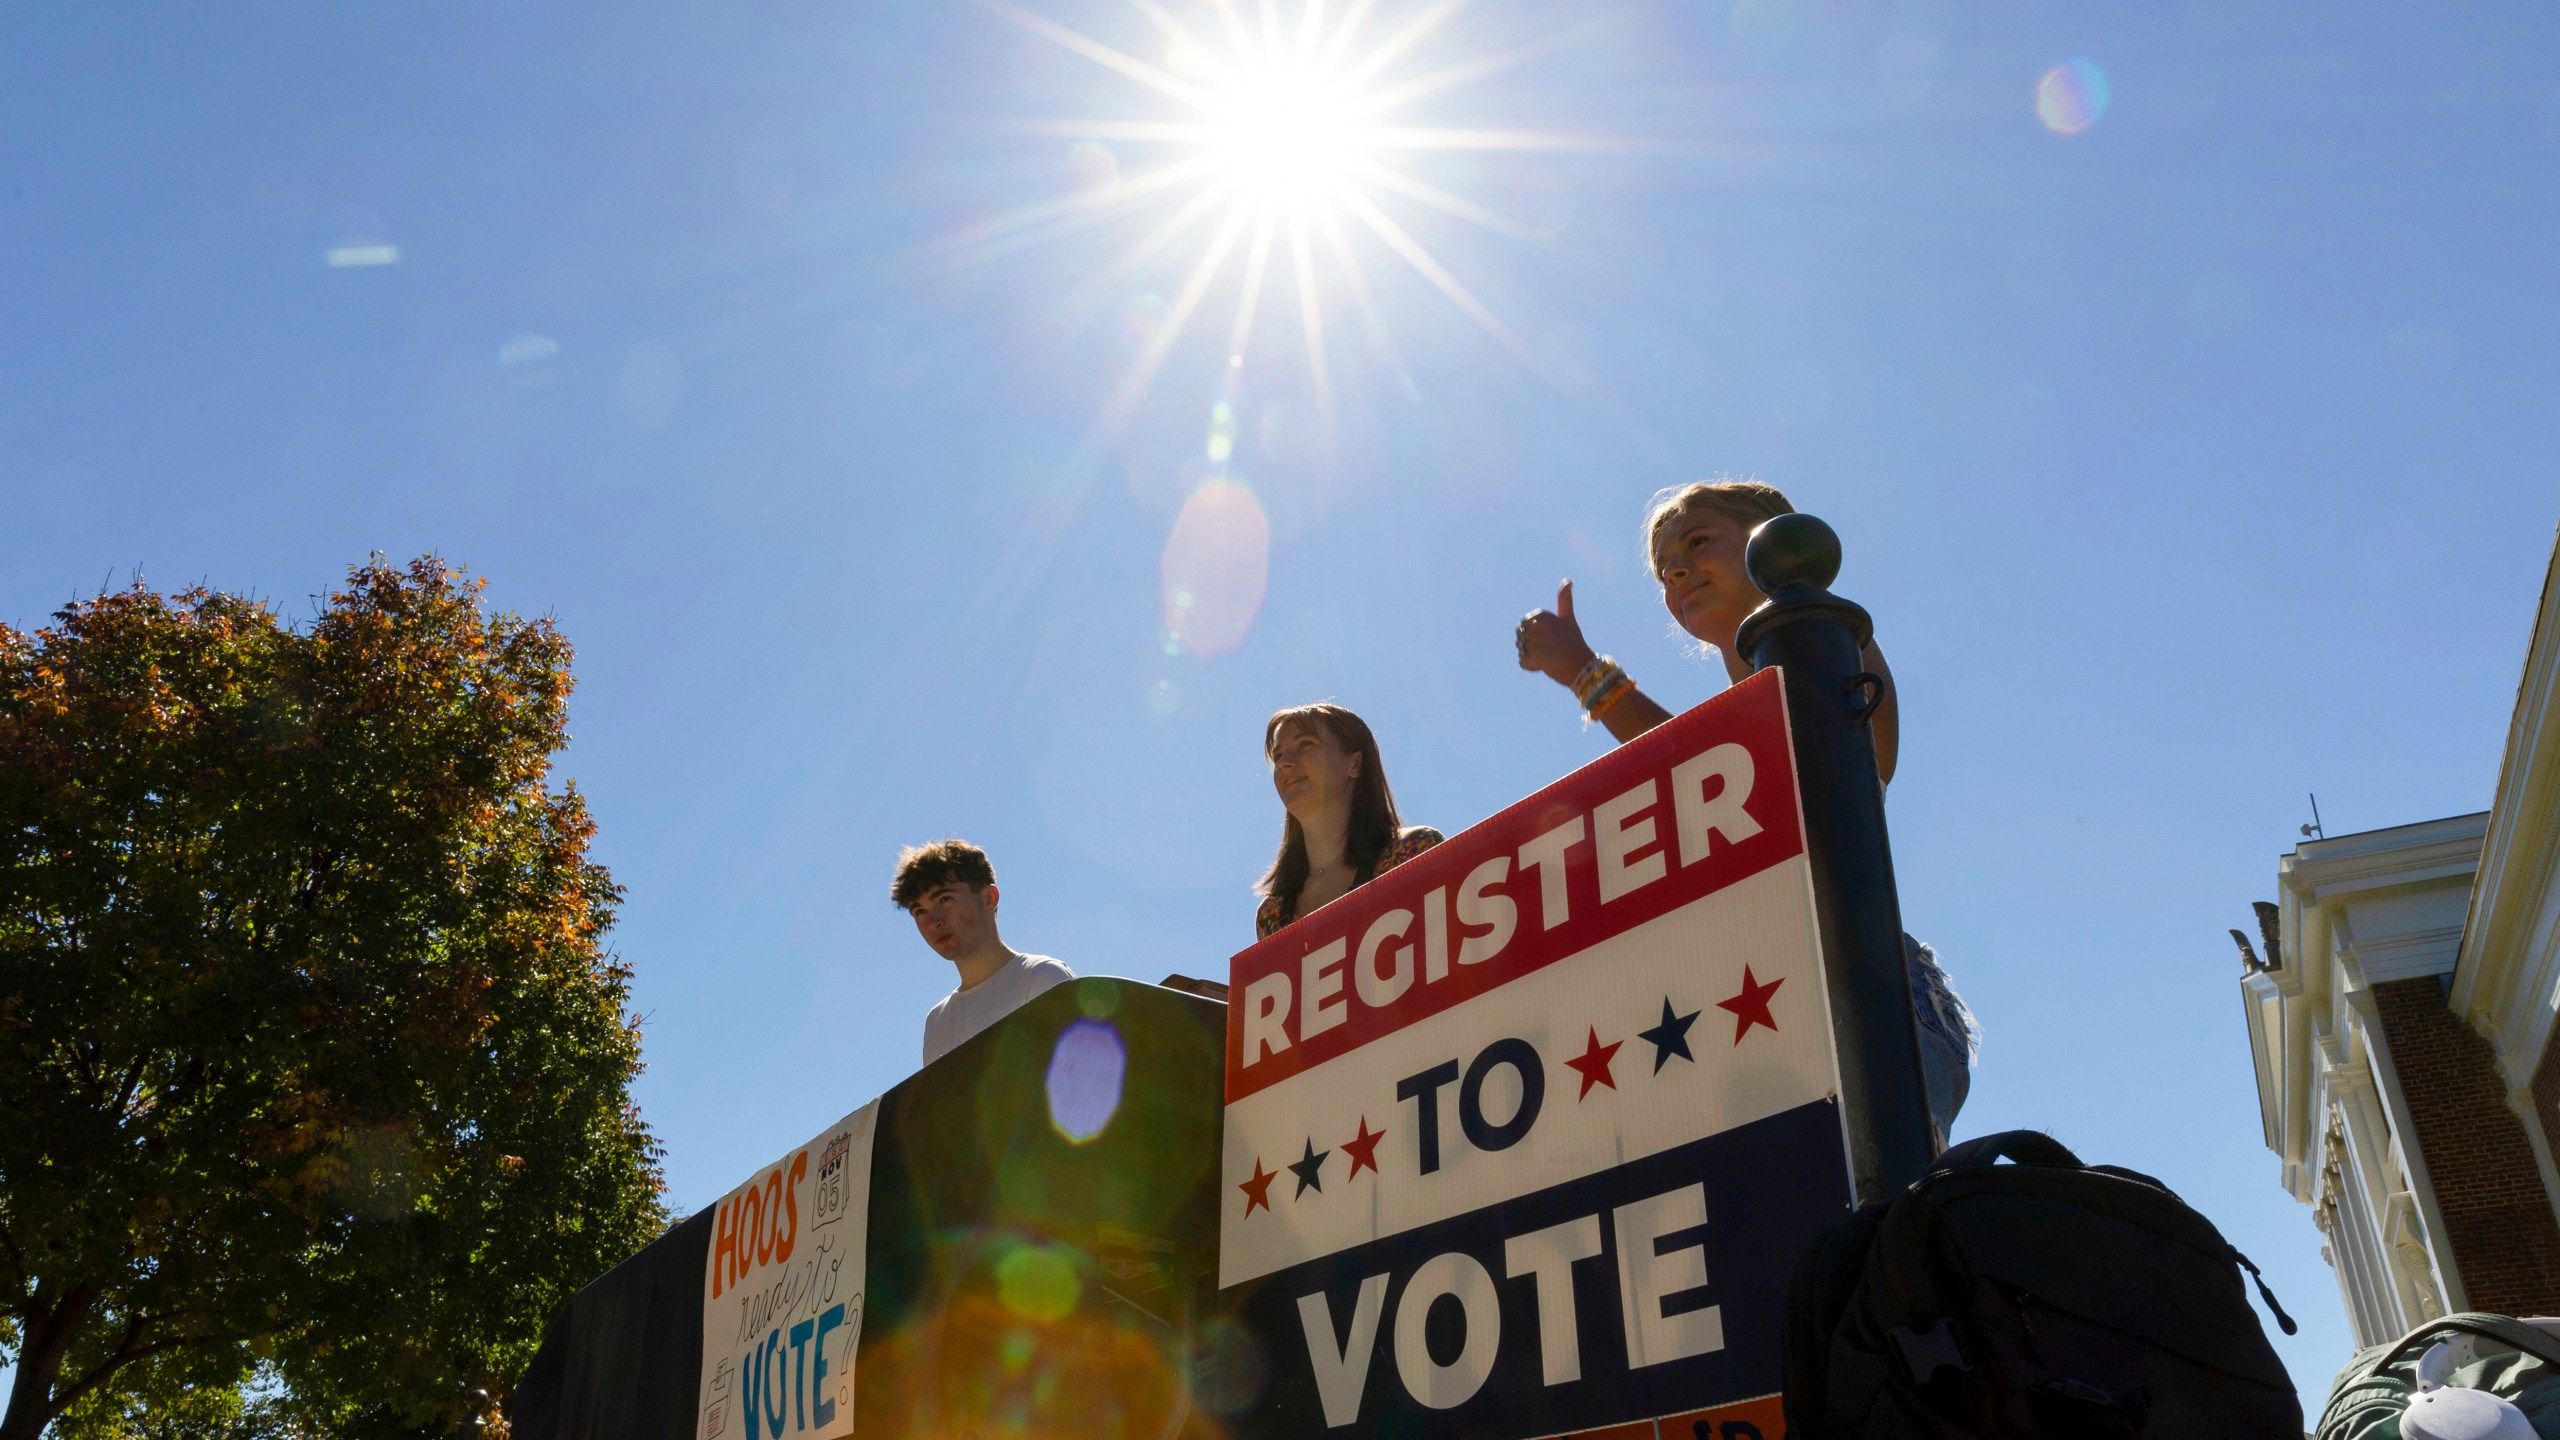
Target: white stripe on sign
(1698, 1021)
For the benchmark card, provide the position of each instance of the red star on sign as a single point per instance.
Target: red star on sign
(1593, 1062)
(1363, 1149)
(1257, 1191)
(1751, 1007)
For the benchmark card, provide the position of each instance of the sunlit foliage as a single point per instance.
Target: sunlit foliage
(313, 1062)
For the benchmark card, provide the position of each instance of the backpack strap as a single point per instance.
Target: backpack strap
(2282, 1319)
(2026, 1147)
(2513, 1333)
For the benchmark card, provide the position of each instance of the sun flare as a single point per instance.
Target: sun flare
(1284, 135)
(1284, 142)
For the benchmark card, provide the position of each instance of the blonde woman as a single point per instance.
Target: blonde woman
(1695, 536)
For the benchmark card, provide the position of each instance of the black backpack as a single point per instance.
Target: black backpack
(2046, 1298)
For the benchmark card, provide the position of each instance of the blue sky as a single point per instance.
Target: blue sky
(2189, 462)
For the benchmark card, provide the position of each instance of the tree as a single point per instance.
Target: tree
(311, 1054)
(166, 1403)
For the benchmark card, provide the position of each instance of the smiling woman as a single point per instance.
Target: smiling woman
(1697, 537)
(1342, 829)
(1694, 538)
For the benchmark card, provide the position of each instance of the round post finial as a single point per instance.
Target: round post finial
(1792, 558)
(1792, 550)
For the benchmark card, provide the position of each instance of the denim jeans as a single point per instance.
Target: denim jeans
(1950, 1041)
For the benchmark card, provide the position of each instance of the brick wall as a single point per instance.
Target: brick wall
(2546, 1089)
(2497, 1220)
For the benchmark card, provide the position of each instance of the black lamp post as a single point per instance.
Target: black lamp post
(1816, 638)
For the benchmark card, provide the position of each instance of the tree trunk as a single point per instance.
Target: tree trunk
(51, 1325)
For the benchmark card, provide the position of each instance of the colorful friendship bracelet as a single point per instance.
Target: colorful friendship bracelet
(1601, 685)
(1588, 680)
(1619, 689)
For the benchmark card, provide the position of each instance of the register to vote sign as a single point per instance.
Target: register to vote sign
(1524, 1137)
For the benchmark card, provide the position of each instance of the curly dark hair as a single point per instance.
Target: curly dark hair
(924, 868)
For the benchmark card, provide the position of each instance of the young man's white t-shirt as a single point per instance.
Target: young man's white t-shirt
(964, 1013)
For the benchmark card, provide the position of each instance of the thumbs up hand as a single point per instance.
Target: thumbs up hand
(1550, 641)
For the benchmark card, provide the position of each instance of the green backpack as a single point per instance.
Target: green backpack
(2372, 1393)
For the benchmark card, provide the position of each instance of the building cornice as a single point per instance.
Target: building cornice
(2445, 849)
(2509, 970)
(2352, 911)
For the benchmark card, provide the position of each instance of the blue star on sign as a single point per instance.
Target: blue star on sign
(1671, 1037)
(1310, 1169)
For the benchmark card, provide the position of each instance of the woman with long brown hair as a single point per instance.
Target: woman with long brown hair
(1342, 829)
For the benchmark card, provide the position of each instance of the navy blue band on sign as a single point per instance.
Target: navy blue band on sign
(1344, 1357)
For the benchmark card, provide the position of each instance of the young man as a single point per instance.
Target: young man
(950, 890)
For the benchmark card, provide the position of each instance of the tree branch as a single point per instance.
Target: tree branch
(50, 1329)
(132, 1078)
(126, 1354)
(17, 1258)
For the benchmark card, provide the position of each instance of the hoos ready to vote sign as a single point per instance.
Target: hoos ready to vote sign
(782, 1292)
(1523, 1137)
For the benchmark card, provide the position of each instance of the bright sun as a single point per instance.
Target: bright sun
(1284, 135)
(1280, 141)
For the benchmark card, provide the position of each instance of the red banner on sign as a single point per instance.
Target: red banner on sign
(1626, 839)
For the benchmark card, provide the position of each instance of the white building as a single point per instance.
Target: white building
(2402, 1034)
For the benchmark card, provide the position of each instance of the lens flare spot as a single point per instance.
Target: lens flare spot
(1098, 1002)
(1231, 1368)
(2071, 96)
(983, 1370)
(354, 257)
(527, 359)
(1222, 432)
(1219, 558)
(1037, 1283)
(1093, 173)
(1141, 319)
(358, 239)
(1085, 1071)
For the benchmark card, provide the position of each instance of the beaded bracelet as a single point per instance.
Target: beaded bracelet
(1602, 684)
(1594, 678)
(1619, 689)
